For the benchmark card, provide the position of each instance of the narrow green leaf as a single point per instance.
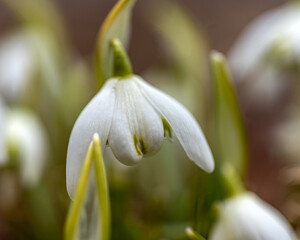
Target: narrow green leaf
(76, 206)
(231, 143)
(116, 25)
(102, 190)
(186, 49)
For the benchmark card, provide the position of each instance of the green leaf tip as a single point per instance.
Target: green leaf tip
(231, 142)
(121, 63)
(217, 56)
(71, 224)
(94, 155)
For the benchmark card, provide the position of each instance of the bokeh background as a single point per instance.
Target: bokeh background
(221, 22)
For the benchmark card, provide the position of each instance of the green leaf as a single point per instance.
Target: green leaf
(102, 191)
(73, 216)
(186, 51)
(101, 224)
(116, 25)
(230, 143)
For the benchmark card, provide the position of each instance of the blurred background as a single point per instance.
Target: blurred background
(220, 23)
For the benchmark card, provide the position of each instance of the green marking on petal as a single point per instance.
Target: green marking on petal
(136, 145)
(139, 145)
(167, 129)
(142, 146)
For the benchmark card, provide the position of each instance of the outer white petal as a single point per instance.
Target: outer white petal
(220, 232)
(247, 217)
(25, 133)
(248, 52)
(183, 124)
(95, 118)
(137, 129)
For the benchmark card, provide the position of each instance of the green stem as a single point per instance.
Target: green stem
(75, 209)
(102, 190)
(121, 63)
(232, 181)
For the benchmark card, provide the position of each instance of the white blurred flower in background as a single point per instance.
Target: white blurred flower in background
(16, 64)
(267, 50)
(26, 140)
(133, 118)
(25, 55)
(247, 217)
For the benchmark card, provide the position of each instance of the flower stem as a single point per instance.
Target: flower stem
(76, 206)
(121, 63)
(232, 180)
(102, 190)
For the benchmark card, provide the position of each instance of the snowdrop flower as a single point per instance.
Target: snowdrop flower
(23, 54)
(16, 64)
(132, 118)
(247, 217)
(25, 134)
(267, 48)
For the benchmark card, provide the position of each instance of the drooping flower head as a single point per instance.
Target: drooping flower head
(247, 217)
(267, 49)
(25, 139)
(132, 118)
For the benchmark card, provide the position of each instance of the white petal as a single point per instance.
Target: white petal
(16, 64)
(26, 133)
(183, 124)
(247, 217)
(137, 129)
(220, 232)
(256, 40)
(95, 118)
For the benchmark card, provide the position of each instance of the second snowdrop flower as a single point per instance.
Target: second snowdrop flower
(246, 216)
(132, 117)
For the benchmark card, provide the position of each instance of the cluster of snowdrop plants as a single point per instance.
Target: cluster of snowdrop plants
(91, 149)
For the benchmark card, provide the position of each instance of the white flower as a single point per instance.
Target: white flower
(249, 218)
(266, 49)
(133, 118)
(24, 134)
(16, 64)
(23, 54)
(279, 27)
